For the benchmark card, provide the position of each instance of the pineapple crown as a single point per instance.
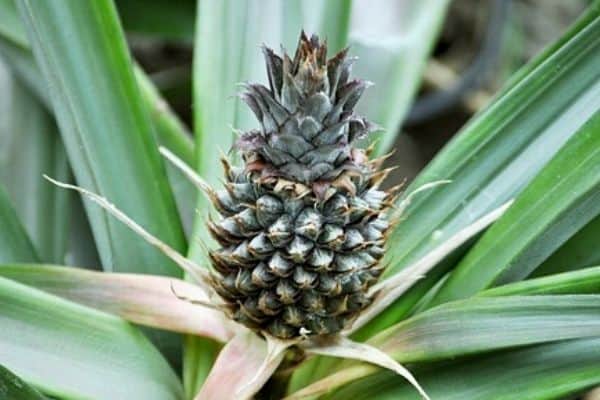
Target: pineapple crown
(308, 125)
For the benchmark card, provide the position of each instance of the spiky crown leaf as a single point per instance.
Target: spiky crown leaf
(307, 119)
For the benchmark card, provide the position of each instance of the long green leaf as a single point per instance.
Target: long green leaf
(12, 387)
(107, 132)
(105, 127)
(22, 63)
(15, 48)
(169, 129)
(10, 25)
(74, 352)
(581, 250)
(583, 281)
(172, 134)
(198, 359)
(16, 51)
(30, 146)
(484, 324)
(495, 156)
(392, 42)
(559, 201)
(549, 371)
(15, 245)
(335, 23)
(82, 250)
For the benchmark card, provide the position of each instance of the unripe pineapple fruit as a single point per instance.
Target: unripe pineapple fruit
(304, 223)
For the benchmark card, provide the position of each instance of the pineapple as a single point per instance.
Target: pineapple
(303, 222)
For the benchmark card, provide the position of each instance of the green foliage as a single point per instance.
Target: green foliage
(30, 130)
(15, 245)
(549, 371)
(106, 130)
(512, 311)
(12, 387)
(497, 154)
(561, 199)
(76, 352)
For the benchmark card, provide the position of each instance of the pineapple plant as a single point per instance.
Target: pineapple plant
(319, 280)
(304, 222)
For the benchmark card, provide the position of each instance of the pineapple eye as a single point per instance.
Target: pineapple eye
(280, 266)
(308, 223)
(299, 249)
(304, 279)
